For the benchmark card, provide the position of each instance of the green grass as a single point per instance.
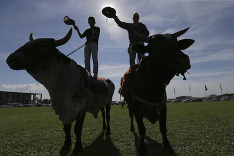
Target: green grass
(193, 129)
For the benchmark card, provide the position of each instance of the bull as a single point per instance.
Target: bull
(72, 90)
(146, 96)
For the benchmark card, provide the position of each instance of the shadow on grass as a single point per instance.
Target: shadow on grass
(152, 147)
(102, 146)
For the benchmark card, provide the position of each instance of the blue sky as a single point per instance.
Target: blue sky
(211, 26)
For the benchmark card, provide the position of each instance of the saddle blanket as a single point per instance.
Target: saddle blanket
(98, 86)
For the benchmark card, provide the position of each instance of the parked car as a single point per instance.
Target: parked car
(225, 99)
(175, 101)
(28, 105)
(15, 104)
(186, 100)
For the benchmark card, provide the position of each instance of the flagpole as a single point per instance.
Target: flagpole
(174, 92)
(190, 91)
(221, 89)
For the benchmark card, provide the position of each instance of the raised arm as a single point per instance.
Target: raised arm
(120, 23)
(78, 31)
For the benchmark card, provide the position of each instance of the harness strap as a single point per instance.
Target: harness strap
(146, 102)
(149, 103)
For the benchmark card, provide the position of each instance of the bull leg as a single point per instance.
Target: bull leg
(67, 143)
(130, 111)
(103, 118)
(163, 130)
(108, 108)
(78, 130)
(131, 117)
(142, 130)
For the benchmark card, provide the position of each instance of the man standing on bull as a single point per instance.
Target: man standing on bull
(91, 45)
(136, 26)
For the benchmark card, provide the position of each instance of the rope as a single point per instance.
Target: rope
(76, 49)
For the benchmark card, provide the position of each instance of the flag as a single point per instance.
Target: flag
(206, 88)
(221, 87)
(189, 88)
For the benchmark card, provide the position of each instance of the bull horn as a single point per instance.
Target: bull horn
(31, 37)
(139, 36)
(179, 33)
(64, 40)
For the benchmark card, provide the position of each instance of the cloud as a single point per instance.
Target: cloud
(113, 70)
(221, 55)
(23, 87)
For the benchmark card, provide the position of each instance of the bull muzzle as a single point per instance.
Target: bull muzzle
(15, 62)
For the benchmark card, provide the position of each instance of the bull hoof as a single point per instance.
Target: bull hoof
(76, 152)
(64, 151)
(169, 149)
(78, 149)
(142, 149)
(132, 129)
(108, 132)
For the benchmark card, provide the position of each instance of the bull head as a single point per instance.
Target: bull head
(182, 44)
(165, 51)
(38, 53)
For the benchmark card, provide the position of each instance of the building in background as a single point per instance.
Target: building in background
(19, 97)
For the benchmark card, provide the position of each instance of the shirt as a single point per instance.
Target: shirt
(89, 32)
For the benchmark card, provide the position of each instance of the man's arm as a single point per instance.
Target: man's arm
(81, 35)
(120, 23)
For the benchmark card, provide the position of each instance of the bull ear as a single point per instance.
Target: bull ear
(141, 49)
(185, 43)
(63, 59)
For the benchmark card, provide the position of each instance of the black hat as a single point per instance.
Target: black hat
(109, 12)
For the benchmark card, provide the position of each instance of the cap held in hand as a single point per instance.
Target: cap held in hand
(68, 21)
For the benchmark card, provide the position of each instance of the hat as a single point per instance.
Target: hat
(68, 21)
(109, 12)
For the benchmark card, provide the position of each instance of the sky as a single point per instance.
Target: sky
(211, 26)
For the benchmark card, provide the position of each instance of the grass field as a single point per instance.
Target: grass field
(193, 129)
